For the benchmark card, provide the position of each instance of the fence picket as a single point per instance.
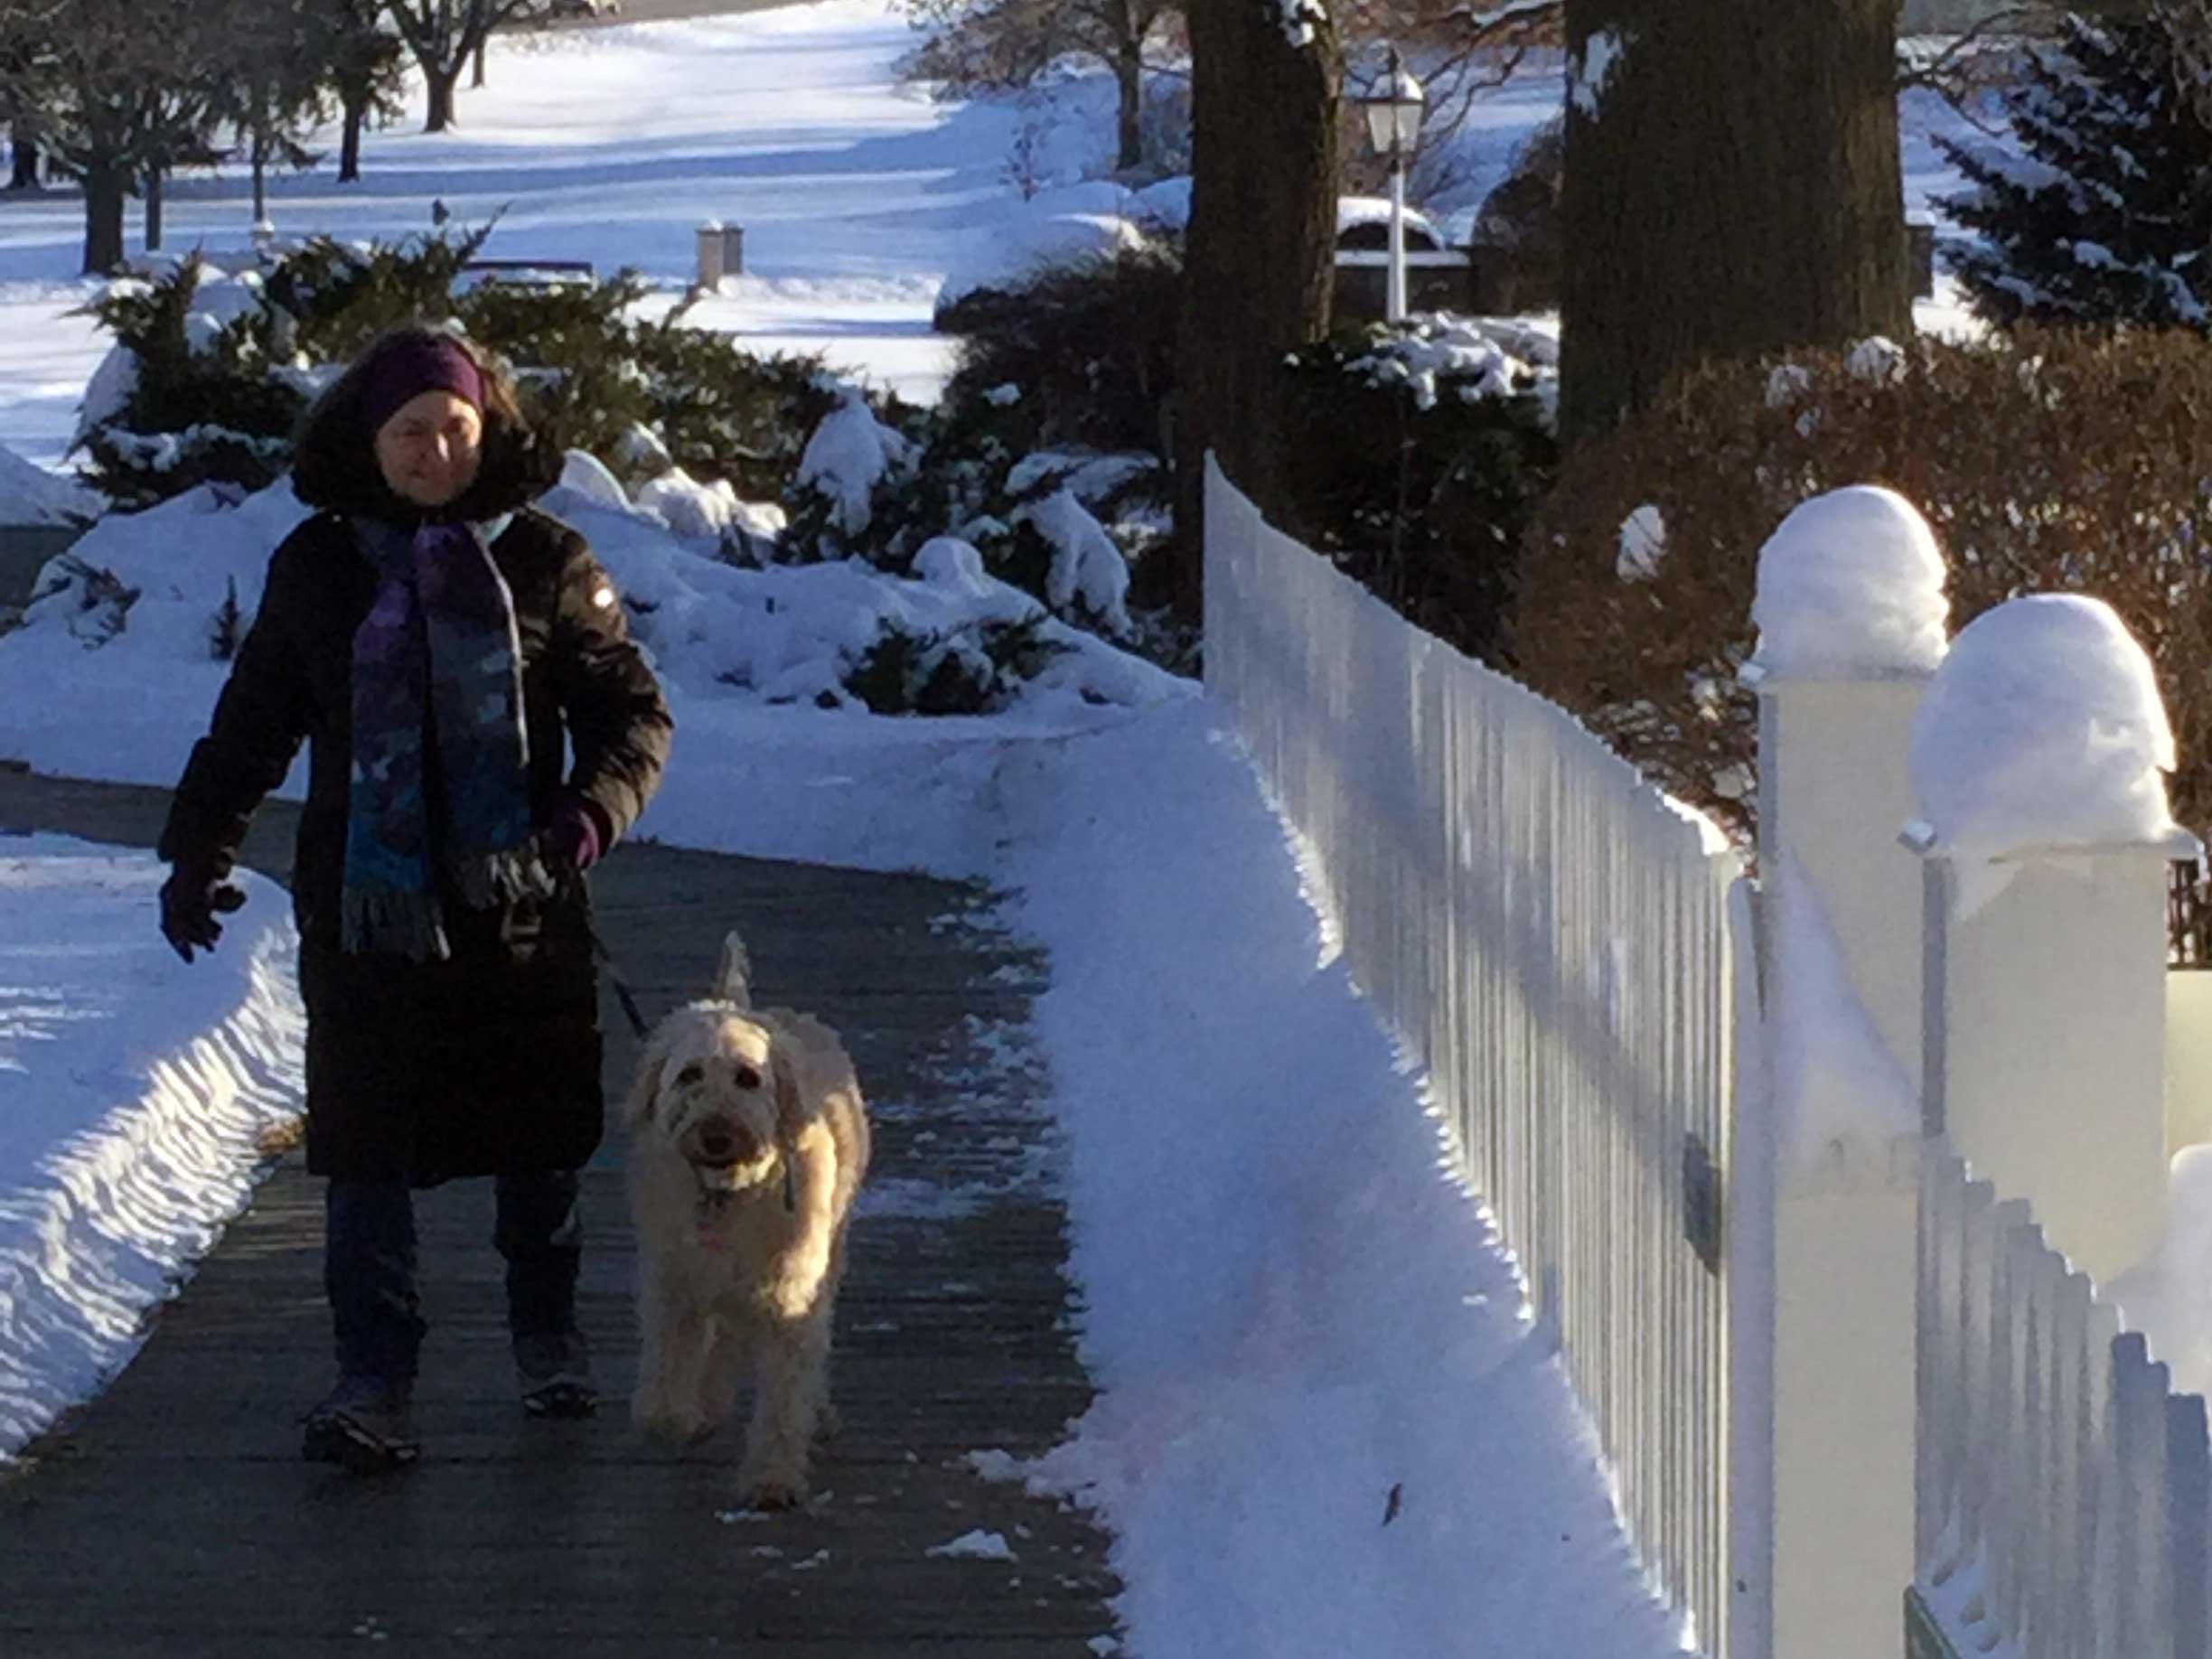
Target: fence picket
(1551, 941)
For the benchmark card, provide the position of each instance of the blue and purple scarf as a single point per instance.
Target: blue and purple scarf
(437, 717)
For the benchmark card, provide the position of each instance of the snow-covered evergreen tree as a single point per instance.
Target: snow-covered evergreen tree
(2107, 216)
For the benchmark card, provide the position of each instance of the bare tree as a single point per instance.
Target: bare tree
(1266, 83)
(120, 89)
(365, 66)
(990, 45)
(444, 34)
(1733, 186)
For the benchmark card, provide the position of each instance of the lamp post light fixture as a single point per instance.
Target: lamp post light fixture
(1395, 111)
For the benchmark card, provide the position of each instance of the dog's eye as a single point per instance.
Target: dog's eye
(690, 1074)
(747, 1078)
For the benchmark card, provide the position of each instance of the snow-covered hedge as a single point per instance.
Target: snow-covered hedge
(2050, 463)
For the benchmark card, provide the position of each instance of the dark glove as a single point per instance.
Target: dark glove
(577, 835)
(190, 900)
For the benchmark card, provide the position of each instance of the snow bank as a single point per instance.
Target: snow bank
(132, 1092)
(32, 495)
(1320, 1401)
(2044, 729)
(1030, 245)
(2169, 1298)
(120, 641)
(1851, 587)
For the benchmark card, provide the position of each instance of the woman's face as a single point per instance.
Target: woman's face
(430, 449)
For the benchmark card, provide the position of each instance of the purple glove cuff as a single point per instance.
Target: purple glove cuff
(579, 833)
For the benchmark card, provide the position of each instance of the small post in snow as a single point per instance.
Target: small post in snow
(1851, 617)
(2038, 759)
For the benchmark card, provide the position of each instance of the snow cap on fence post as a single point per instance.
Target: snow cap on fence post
(2038, 761)
(1851, 617)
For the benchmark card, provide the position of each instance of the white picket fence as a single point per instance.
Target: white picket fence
(2063, 1491)
(1551, 940)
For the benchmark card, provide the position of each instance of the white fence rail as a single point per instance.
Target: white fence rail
(2063, 1491)
(1550, 940)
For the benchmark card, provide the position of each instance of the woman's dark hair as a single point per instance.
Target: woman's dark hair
(333, 458)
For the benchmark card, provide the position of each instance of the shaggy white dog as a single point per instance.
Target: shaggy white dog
(748, 1143)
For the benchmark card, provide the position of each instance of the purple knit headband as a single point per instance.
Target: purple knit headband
(415, 366)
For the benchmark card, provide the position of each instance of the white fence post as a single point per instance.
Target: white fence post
(2046, 1069)
(2037, 757)
(1851, 623)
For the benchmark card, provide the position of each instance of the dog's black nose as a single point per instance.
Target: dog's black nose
(717, 1144)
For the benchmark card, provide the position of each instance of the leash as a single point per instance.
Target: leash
(623, 993)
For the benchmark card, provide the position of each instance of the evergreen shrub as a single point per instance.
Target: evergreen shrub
(2108, 215)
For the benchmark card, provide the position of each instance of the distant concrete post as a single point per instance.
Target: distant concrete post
(721, 252)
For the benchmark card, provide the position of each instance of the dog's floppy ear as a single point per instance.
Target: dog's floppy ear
(645, 1090)
(788, 1120)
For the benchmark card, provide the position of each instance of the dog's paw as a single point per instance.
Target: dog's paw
(663, 1421)
(771, 1494)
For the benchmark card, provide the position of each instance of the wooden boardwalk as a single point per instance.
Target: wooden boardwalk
(173, 1517)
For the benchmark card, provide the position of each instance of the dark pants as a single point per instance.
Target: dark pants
(368, 1266)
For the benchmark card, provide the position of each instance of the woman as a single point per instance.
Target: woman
(436, 638)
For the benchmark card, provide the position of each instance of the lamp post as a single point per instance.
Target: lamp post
(1394, 113)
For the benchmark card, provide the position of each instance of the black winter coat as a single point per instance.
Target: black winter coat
(489, 1062)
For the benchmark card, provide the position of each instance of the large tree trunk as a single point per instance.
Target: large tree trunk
(1260, 266)
(441, 80)
(1733, 187)
(477, 78)
(106, 189)
(1128, 71)
(350, 145)
(155, 200)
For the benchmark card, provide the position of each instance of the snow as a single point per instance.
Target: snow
(976, 1546)
(1590, 73)
(1643, 544)
(1840, 1097)
(735, 644)
(2043, 731)
(32, 495)
(1041, 243)
(1850, 587)
(849, 454)
(132, 1092)
(1085, 562)
(2167, 1297)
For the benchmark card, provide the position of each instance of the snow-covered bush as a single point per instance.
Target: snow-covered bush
(1091, 350)
(211, 372)
(2045, 462)
(883, 484)
(1422, 452)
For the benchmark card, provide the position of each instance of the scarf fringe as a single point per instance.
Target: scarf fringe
(386, 922)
